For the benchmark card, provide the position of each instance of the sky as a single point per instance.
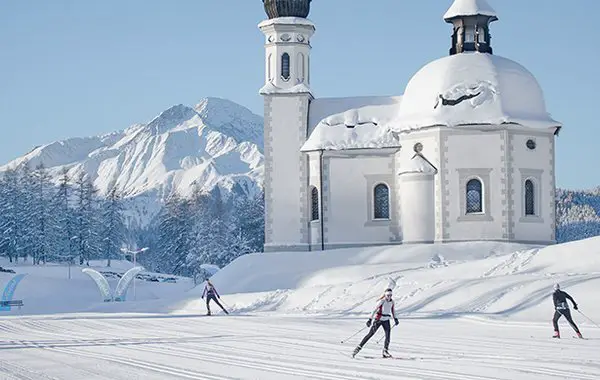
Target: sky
(72, 68)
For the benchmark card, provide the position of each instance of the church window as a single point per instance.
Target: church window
(529, 198)
(301, 71)
(314, 208)
(474, 196)
(285, 66)
(269, 69)
(381, 204)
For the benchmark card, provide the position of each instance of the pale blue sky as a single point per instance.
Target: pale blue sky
(81, 67)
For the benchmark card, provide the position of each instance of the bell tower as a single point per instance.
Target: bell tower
(471, 20)
(287, 96)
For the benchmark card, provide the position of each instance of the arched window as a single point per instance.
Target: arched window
(381, 202)
(269, 67)
(474, 196)
(285, 66)
(314, 204)
(529, 198)
(301, 72)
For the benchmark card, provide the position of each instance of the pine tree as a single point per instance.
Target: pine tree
(113, 233)
(86, 222)
(62, 222)
(9, 222)
(176, 238)
(40, 221)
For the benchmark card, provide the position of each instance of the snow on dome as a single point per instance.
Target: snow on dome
(462, 8)
(470, 89)
(418, 164)
(352, 123)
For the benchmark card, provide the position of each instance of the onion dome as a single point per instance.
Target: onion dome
(287, 8)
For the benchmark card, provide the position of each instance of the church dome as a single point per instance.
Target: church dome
(287, 8)
(473, 88)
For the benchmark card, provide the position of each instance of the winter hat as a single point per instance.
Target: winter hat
(388, 292)
(556, 286)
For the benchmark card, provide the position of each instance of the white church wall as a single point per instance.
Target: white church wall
(429, 141)
(473, 155)
(349, 218)
(417, 207)
(536, 165)
(286, 173)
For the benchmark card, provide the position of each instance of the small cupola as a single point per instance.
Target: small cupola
(471, 20)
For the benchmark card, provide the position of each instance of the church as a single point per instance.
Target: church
(466, 153)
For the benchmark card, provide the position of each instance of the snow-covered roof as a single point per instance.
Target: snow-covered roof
(473, 89)
(461, 8)
(352, 123)
(418, 164)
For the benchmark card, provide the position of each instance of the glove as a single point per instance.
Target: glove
(575, 307)
(369, 323)
(396, 321)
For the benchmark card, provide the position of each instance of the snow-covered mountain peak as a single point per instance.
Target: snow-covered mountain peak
(216, 143)
(231, 119)
(171, 118)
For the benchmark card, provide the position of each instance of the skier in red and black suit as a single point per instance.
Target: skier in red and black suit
(562, 308)
(211, 294)
(384, 310)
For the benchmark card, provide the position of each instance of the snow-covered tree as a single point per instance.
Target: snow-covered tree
(113, 232)
(41, 214)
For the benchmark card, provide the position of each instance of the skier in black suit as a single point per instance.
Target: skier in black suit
(561, 307)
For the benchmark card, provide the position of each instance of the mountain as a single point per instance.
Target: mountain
(215, 143)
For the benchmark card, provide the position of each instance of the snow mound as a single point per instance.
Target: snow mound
(495, 280)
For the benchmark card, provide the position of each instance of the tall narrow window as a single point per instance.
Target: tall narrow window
(529, 198)
(270, 67)
(381, 202)
(474, 196)
(285, 66)
(301, 72)
(314, 208)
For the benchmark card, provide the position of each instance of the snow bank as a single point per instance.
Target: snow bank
(496, 280)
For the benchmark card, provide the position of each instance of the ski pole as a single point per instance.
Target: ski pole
(351, 336)
(589, 319)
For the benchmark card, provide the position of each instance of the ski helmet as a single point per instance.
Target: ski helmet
(556, 286)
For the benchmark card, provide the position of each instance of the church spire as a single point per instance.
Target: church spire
(471, 20)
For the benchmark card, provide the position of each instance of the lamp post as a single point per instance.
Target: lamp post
(134, 253)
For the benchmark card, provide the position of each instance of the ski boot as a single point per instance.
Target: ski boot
(579, 335)
(556, 335)
(208, 313)
(356, 350)
(385, 353)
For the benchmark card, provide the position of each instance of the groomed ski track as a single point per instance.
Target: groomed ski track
(263, 346)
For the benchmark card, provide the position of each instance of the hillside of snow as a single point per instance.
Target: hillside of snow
(467, 311)
(495, 280)
(215, 143)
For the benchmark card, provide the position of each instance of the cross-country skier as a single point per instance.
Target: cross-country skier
(384, 310)
(211, 294)
(562, 308)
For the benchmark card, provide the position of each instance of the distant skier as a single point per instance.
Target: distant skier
(211, 294)
(562, 308)
(384, 310)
